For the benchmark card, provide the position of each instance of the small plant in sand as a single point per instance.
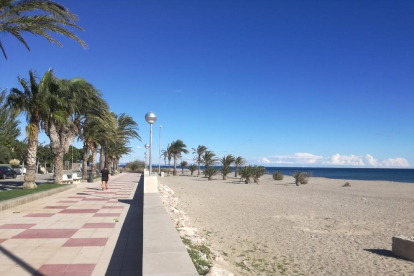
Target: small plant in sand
(301, 177)
(183, 165)
(192, 168)
(346, 184)
(226, 162)
(201, 256)
(246, 173)
(258, 171)
(278, 175)
(238, 162)
(210, 172)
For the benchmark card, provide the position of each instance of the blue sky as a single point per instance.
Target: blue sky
(326, 83)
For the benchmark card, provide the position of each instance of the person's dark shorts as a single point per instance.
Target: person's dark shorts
(105, 179)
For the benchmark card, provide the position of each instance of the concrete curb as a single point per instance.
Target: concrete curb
(7, 204)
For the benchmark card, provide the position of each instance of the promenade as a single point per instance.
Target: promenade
(79, 232)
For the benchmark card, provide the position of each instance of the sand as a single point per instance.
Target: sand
(322, 228)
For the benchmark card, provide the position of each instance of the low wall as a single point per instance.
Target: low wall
(163, 251)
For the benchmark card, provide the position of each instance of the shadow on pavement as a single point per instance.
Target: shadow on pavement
(20, 262)
(127, 256)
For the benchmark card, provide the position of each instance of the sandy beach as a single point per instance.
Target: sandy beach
(322, 228)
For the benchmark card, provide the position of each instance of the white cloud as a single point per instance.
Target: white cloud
(264, 160)
(299, 158)
(395, 163)
(367, 160)
(138, 147)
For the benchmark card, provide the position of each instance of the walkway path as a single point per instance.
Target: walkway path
(79, 232)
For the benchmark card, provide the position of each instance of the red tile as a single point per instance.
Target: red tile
(56, 207)
(16, 226)
(95, 199)
(98, 225)
(80, 268)
(46, 234)
(2, 240)
(67, 201)
(39, 215)
(112, 207)
(79, 211)
(86, 242)
(115, 215)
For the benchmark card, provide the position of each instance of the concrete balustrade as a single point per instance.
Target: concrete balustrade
(163, 251)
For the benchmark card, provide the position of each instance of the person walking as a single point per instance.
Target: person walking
(105, 178)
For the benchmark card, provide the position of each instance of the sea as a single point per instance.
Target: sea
(394, 175)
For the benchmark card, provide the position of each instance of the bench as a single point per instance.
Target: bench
(66, 180)
(76, 178)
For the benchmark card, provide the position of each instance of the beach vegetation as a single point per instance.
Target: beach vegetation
(183, 165)
(199, 152)
(200, 255)
(210, 172)
(177, 148)
(278, 175)
(258, 171)
(135, 165)
(209, 159)
(226, 162)
(246, 173)
(301, 177)
(238, 162)
(192, 168)
(40, 18)
(347, 184)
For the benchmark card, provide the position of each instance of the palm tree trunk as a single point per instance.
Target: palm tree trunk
(235, 172)
(198, 166)
(57, 177)
(94, 155)
(85, 162)
(175, 165)
(169, 165)
(30, 177)
(102, 158)
(182, 170)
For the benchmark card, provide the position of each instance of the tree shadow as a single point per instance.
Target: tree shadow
(19, 262)
(127, 254)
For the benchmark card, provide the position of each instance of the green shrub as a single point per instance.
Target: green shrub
(210, 172)
(135, 165)
(278, 175)
(246, 173)
(301, 177)
(258, 171)
(192, 168)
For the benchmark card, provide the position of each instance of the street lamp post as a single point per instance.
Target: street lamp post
(146, 154)
(159, 154)
(151, 118)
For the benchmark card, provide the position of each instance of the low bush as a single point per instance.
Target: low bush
(135, 165)
(301, 177)
(210, 172)
(278, 175)
(258, 171)
(346, 184)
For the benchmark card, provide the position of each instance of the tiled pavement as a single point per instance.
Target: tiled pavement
(74, 233)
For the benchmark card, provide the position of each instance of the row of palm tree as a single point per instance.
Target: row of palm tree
(64, 110)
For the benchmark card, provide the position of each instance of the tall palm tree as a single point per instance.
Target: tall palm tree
(177, 148)
(73, 100)
(238, 162)
(209, 159)
(126, 129)
(164, 154)
(199, 152)
(226, 162)
(38, 17)
(32, 101)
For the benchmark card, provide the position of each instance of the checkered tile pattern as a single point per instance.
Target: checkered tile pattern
(72, 233)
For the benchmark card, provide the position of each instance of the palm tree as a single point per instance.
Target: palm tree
(164, 154)
(238, 162)
(192, 168)
(31, 100)
(73, 100)
(199, 152)
(168, 154)
(246, 173)
(258, 171)
(210, 172)
(177, 148)
(38, 17)
(226, 162)
(183, 164)
(209, 159)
